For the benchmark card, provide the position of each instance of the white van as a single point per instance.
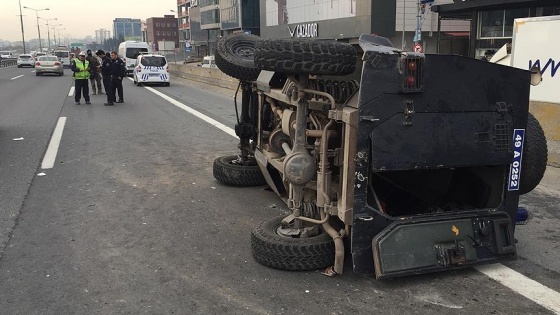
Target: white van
(130, 50)
(64, 57)
(151, 69)
(6, 54)
(209, 62)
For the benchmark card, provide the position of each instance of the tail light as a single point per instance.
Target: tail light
(139, 69)
(167, 68)
(57, 63)
(411, 67)
(37, 63)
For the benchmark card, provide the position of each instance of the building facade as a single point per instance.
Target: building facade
(127, 29)
(204, 21)
(162, 29)
(346, 20)
(101, 35)
(491, 21)
(183, 21)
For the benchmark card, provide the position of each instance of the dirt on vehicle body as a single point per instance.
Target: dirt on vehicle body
(416, 162)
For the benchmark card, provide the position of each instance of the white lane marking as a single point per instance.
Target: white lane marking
(52, 150)
(510, 278)
(71, 93)
(200, 115)
(19, 76)
(521, 284)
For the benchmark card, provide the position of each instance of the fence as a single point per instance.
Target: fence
(4, 62)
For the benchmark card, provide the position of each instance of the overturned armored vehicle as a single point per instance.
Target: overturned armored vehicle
(408, 163)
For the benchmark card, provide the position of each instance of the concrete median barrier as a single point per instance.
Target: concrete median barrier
(8, 62)
(211, 76)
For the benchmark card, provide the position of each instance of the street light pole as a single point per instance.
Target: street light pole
(54, 32)
(178, 32)
(58, 30)
(48, 30)
(38, 29)
(22, 33)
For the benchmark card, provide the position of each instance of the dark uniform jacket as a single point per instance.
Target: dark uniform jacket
(118, 68)
(106, 66)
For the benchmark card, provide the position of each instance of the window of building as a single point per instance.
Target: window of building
(174, 33)
(157, 24)
(499, 23)
(174, 25)
(205, 3)
(209, 17)
(548, 11)
(157, 33)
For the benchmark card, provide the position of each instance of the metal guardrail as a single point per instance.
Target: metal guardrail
(5, 62)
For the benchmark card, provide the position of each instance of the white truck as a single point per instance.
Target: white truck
(535, 44)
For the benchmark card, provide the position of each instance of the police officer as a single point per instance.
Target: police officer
(118, 71)
(106, 73)
(82, 73)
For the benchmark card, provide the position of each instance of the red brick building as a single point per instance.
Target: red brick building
(162, 29)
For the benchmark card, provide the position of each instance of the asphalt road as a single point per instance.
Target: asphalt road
(130, 219)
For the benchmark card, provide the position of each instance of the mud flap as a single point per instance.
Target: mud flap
(415, 246)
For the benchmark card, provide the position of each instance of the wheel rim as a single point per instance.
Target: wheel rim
(291, 232)
(243, 49)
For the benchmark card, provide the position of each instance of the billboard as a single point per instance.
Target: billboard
(280, 12)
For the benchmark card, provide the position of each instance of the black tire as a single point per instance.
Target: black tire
(235, 56)
(237, 175)
(286, 253)
(304, 55)
(535, 156)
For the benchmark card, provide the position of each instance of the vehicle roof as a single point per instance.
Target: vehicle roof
(25, 55)
(53, 58)
(150, 55)
(133, 43)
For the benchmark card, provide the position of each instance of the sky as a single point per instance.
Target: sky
(78, 18)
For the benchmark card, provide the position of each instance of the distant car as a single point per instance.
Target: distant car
(209, 62)
(25, 60)
(6, 54)
(151, 69)
(64, 57)
(48, 64)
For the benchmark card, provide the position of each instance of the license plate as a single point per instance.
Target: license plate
(154, 74)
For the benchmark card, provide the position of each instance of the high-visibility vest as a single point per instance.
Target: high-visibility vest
(83, 73)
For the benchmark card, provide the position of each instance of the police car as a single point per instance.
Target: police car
(149, 69)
